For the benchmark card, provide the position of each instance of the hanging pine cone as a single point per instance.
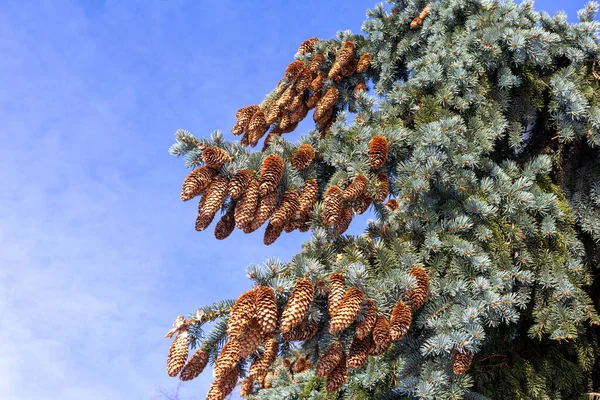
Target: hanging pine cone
(238, 183)
(261, 365)
(308, 196)
(285, 122)
(287, 97)
(316, 63)
(362, 203)
(196, 182)
(350, 68)
(305, 227)
(211, 201)
(337, 377)
(297, 305)
(266, 310)
(325, 120)
(225, 225)
(296, 102)
(195, 365)
(329, 360)
(250, 339)
(241, 313)
(326, 103)
(400, 320)
(203, 221)
(333, 204)
(272, 233)
(357, 187)
(303, 156)
(271, 174)
(337, 289)
(381, 336)
(305, 331)
(257, 128)
(392, 204)
(418, 21)
(343, 222)
(299, 114)
(360, 86)
(228, 358)
(301, 365)
(382, 190)
(244, 115)
(178, 352)
(222, 386)
(293, 70)
(247, 387)
(308, 45)
(313, 100)
(275, 111)
(363, 63)
(365, 327)
(287, 207)
(215, 157)
(302, 83)
(344, 57)
(245, 209)
(378, 151)
(266, 207)
(347, 310)
(418, 296)
(317, 84)
(461, 362)
(290, 128)
(359, 352)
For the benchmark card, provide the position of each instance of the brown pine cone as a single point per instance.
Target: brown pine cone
(245, 209)
(418, 296)
(392, 204)
(300, 365)
(196, 182)
(381, 188)
(346, 54)
(378, 151)
(287, 97)
(293, 70)
(257, 128)
(418, 21)
(215, 157)
(461, 362)
(316, 63)
(238, 183)
(337, 377)
(297, 306)
(343, 222)
(362, 203)
(250, 339)
(195, 365)
(244, 115)
(241, 313)
(247, 387)
(305, 331)
(228, 358)
(381, 336)
(303, 156)
(296, 102)
(357, 187)
(308, 45)
(266, 310)
(271, 174)
(285, 121)
(313, 100)
(363, 63)
(261, 365)
(317, 84)
(308, 196)
(266, 207)
(337, 288)
(329, 360)
(325, 120)
(225, 225)
(287, 208)
(275, 111)
(347, 310)
(305, 226)
(213, 198)
(272, 233)
(359, 352)
(400, 320)
(350, 68)
(203, 221)
(299, 114)
(360, 86)
(178, 352)
(290, 127)
(333, 204)
(365, 327)
(222, 386)
(303, 82)
(326, 103)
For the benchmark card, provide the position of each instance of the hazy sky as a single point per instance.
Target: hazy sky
(97, 253)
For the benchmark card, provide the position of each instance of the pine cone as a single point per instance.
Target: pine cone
(285, 121)
(238, 183)
(275, 133)
(378, 151)
(241, 313)
(250, 339)
(360, 86)
(267, 380)
(303, 83)
(461, 362)
(317, 84)
(362, 203)
(195, 365)
(261, 365)
(290, 128)
(325, 120)
(333, 205)
(245, 209)
(203, 221)
(293, 70)
(418, 296)
(211, 201)
(347, 310)
(350, 68)
(382, 184)
(247, 387)
(400, 320)
(316, 63)
(392, 204)
(418, 21)
(266, 310)
(275, 111)
(305, 331)
(343, 222)
(313, 100)
(228, 358)
(286, 97)
(365, 327)
(381, 336)
(337, 288)
(308, 45)
(363, 63)
(346, 53)
(299, 114)
(222, 386)
(301, 365)
(178, 352)
(329, 360)
(272, 233)
(337, 377)
(215, 157)
(271, 174)
(287, 208)
(225, 225)
(303, 156)
(297, 305)
(308, 196)
(244, 115)
(196, 182)
(359, 352)
(257, 128)
(326, 103)
(266, 207)
(357, 187)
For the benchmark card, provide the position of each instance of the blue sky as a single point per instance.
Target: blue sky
(97, 253)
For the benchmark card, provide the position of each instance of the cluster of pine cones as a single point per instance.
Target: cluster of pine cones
(255, 199)
(300, 90)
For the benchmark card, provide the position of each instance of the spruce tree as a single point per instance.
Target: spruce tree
(471, 129)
